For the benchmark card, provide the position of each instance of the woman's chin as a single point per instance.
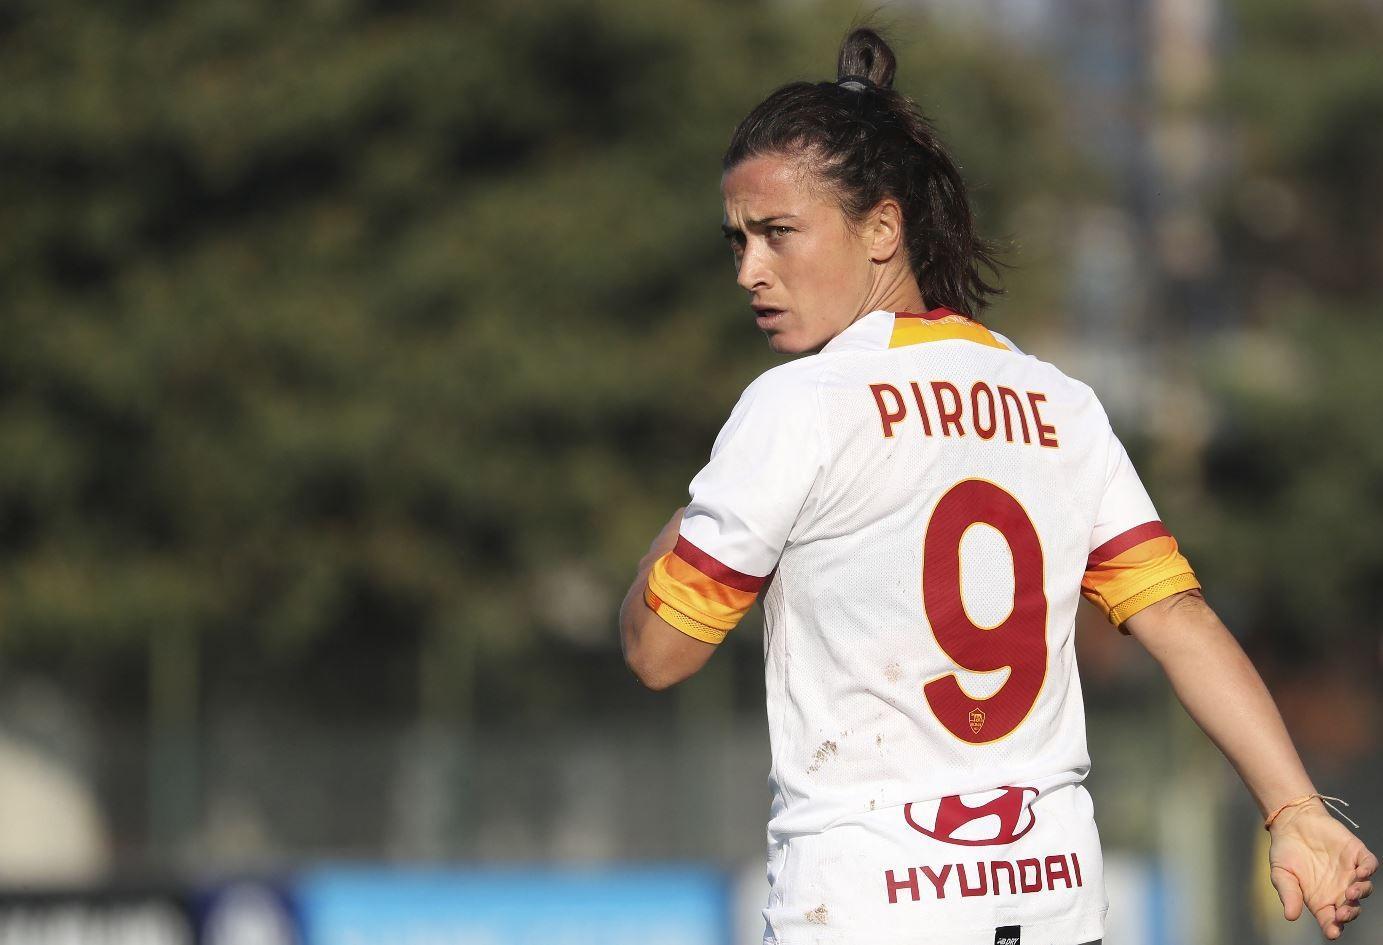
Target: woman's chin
(786, 342)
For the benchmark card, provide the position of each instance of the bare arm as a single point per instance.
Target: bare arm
(658, 653)
(1315, 859)
(1219, 687)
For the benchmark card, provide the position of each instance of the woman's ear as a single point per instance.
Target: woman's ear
(886, 230)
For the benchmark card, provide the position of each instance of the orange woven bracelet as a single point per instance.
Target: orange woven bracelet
(1329, 803)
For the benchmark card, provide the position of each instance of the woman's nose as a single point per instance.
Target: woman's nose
(753, 274)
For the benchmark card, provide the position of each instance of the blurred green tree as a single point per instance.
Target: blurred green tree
(1293, 473)
(353, 350)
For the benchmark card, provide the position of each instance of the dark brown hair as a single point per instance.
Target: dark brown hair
(867, 142)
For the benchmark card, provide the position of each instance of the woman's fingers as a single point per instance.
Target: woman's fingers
(1289, 891)
(1368, 865)
(1325, 915)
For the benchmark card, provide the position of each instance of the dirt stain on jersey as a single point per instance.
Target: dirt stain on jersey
(822, 755)
(819, 916)
(893, 672)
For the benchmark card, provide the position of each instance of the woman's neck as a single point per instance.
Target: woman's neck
(896, 292)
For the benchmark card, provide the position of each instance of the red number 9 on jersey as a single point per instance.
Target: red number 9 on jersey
(1018, 644)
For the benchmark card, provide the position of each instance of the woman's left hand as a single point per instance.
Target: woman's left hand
(1318, 863)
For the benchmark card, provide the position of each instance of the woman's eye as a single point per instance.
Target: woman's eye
(778, 232)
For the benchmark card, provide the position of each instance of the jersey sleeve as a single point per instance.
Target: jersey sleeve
(744, 503)
(1134, 561)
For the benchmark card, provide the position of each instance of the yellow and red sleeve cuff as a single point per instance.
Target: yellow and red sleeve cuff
(1135, 570)
(697, 594)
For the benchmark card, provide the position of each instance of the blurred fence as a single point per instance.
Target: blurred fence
(269, 797)
(253, 792)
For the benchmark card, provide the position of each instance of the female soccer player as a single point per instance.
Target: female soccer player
(922, 507)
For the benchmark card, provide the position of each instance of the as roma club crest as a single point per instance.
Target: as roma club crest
(976, 720)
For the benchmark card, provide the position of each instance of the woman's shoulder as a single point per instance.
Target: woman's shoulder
(788, 378)
(1054, 374)
(784, 396)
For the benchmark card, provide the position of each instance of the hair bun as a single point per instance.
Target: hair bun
(864, 53)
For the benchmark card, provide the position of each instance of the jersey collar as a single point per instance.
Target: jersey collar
(866, 333)
(879, 330)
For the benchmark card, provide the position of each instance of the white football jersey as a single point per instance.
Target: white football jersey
(922, 507)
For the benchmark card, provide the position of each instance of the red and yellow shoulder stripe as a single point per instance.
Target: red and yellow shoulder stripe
(697, 594)
(1135, 570)
(940, 324)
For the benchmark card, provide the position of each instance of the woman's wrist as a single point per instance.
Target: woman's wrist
(1311, 806)
(1288, 810)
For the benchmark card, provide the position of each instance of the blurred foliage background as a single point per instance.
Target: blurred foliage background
(353, 351)
(345, 338)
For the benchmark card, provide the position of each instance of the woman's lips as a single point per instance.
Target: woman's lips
(768, 317)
